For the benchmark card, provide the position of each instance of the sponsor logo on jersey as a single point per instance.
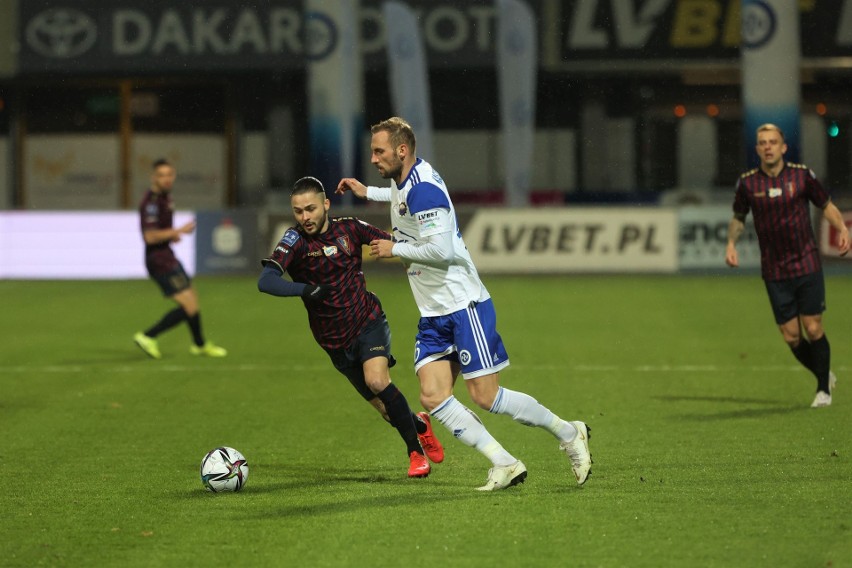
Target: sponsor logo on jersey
(427, 220)
(329, 250)
(774, 192)
(290, 237)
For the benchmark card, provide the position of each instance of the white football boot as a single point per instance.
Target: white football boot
(501, 477)
(822, 399)
(578, 452)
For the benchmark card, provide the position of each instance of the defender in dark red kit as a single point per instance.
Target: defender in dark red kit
(778, 195)
(323, 257)
(156, 212)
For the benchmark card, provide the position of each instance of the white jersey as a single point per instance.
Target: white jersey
(428, 240)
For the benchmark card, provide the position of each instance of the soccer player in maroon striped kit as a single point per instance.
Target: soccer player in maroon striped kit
(323, 257)
(778, 195)
(156, 212)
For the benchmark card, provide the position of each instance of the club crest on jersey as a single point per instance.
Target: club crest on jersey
(403, 209)
(344, 243)
(774, 192)
(330, 250)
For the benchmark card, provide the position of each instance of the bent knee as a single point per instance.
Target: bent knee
(814, 331)
(792, 336)
(377, 385)
(484, 402)
(430, 401)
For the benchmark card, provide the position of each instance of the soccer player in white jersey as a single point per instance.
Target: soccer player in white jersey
(457, 331)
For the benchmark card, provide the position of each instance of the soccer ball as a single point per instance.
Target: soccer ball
(224, 469)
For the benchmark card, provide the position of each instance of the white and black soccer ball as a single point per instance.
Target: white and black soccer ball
(224, 469)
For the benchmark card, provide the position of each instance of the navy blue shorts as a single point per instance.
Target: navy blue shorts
(800, 296)
(373, 341)
(173, 282)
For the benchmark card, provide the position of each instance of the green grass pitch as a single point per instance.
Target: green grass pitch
(705, 450)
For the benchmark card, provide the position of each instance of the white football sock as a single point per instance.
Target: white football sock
(466, 426)
(528, 411)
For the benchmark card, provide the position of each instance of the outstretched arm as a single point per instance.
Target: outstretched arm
(371, 193)
(353, 185)
(270, 282)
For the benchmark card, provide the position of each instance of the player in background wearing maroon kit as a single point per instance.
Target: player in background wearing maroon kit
(322, 255)
(156, 211)
(778, 195)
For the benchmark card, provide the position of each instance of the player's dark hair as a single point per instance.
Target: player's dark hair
(307, 184)
(399, 132)
(161, 162)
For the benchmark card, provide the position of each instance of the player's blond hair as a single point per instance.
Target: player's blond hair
(769, 127)
(399, 132)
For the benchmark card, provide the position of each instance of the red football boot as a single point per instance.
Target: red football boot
(433, 448)
(419, 465)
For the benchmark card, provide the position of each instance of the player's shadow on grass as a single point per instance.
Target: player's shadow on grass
(360, 504)
(770, 407)
(307, 475)
(398, 490)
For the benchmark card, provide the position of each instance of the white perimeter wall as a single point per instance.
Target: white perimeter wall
(83, 172)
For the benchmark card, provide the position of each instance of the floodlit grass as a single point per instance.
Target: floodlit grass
(706, 453)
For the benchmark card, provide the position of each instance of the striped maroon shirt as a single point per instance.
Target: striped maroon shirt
(156, 211)
(779, 206)
(333, 258)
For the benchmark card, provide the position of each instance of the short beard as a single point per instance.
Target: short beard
(319, 224)
(393, 173)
